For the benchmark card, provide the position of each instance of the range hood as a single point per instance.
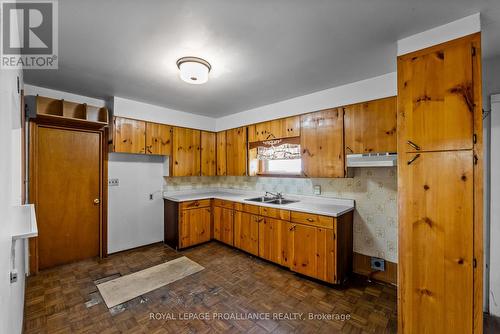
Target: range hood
(372, 160)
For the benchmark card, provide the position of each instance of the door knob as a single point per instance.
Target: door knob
(97, 201)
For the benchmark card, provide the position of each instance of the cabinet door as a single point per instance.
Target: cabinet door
(313, 251)
(223, 225)
(158, 139)
(246, 232)
(291, 126)
(436, 242)
(237, 151)
(208, 157)
(322, 143)
(435, 99)
(221, 153)
(195, 226)
(370, 127)
(186, 152)
(129, 136)
(273, 240)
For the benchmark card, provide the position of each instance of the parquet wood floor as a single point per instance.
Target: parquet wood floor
(232, 284)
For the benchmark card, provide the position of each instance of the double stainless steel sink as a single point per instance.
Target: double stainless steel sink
(274, 199)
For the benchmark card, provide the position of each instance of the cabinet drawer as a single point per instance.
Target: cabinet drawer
(274, 213)
(223, 203)
(194, 204)
(247, 208)
(312, 219)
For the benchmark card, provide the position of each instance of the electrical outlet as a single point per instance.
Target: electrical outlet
(13, 276)
(317, 190)
(113, 182)
(377, 264)
(150, 197)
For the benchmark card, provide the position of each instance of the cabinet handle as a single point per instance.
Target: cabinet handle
(413, 159)
(310, 220)
(196, 204)
(293, 228)
(412, 144)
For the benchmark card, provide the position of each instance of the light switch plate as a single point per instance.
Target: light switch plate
(317, 190)
(113, 182)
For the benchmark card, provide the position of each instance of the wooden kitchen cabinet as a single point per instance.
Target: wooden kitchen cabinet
(208, 153)
(129, 135)
(186, 152)
(436, 222)
(370, 127)
(195, 226)
(246, 232)
(221, 153)
(223, 225)
(322, 143)
(312, 251)
(273, 241)
(436, 108)
(278, 128)
(158, 139)
(236, 146)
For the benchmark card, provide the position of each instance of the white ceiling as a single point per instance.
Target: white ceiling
(261, 51)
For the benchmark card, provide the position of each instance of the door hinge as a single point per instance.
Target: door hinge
(474, 138)
(334, 236)
(475, 159)
(474, 263)
(473, 51)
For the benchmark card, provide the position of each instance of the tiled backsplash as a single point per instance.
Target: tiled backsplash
(373, 189)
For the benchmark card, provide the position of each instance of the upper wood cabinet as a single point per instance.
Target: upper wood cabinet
(236, 146)
(129, 135)
(435, 90)
(278, 128)
(322, 143)
(208, 155)
(221, 153)
(186, 152)
(370, 127)
(158, 139)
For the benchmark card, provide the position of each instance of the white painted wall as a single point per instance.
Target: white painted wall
(11, 295)
(494, 293)
(133, 219)
(360, 91)
(456, 29)
(148, 112)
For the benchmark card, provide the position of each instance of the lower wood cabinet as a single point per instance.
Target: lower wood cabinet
(312, 251)
(246, 232)
(273, 240)
(312, 245)
(194, 226)
(223, 224)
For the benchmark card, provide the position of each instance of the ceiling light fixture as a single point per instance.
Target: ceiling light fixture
(194, 70)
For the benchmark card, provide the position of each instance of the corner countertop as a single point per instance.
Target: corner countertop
(321, 205)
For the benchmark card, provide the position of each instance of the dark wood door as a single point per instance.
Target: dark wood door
(67, 195)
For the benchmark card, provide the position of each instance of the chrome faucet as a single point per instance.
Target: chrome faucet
(278, 195)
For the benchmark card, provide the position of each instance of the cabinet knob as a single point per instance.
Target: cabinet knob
(97, 201)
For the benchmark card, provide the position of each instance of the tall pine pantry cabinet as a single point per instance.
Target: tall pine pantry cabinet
(440, 188)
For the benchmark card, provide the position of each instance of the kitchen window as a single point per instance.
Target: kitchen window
(276, 157)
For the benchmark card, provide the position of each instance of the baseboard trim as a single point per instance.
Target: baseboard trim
(361, 265)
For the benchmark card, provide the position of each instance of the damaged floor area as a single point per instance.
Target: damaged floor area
(235, 293)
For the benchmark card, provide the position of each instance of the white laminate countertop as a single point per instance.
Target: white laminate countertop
(321, 205)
